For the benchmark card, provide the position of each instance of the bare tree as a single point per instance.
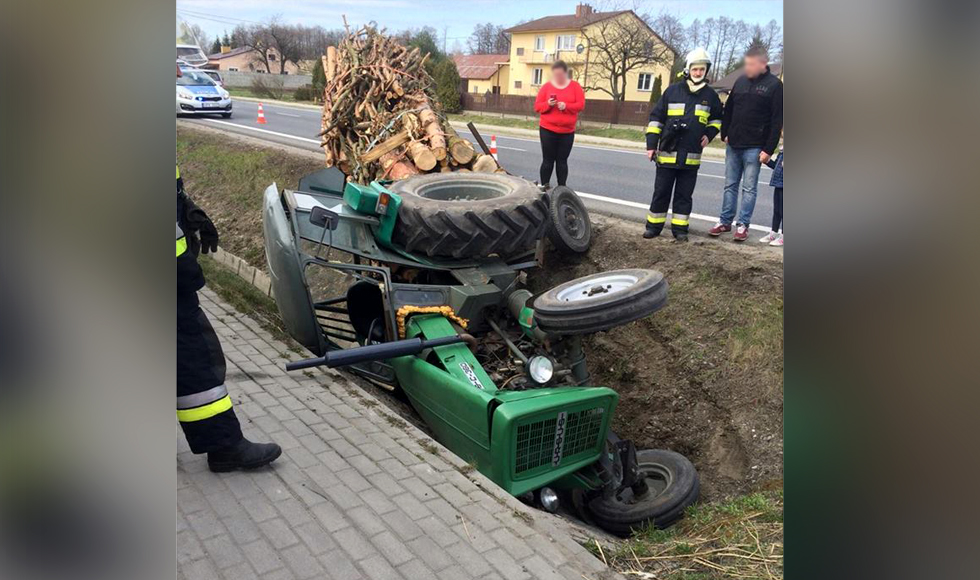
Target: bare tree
(739, 38)
(488, 39)
(255, 38)
(671, 30)
(617, 47)
(285, 39)
(194, 34)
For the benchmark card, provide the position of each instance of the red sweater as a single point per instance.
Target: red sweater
(553, 119)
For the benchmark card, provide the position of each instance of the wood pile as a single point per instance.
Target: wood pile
(381, 118)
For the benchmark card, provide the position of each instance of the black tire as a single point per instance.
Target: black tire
(600, 301)
(469, 215)
(226, 115)
(673, 485)
(571, 229)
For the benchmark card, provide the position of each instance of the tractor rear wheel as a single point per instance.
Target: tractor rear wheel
(571, 228)
(469, 215)
(600, 301)
(671, 484)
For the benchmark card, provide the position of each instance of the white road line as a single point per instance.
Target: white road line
(288, 114)
(636, 205)
(314, 141)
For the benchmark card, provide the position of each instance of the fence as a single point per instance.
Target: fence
(242, 79)
(629, 112)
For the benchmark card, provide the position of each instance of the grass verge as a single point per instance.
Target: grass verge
(739, 538)
(246, 92)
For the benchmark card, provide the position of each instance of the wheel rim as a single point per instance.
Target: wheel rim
(572, 219)
(597, 287)
(463, 190)
(658, 480)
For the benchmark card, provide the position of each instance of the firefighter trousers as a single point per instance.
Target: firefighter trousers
(204, 407)
(676, 183)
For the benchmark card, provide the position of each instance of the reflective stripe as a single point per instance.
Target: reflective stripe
(675, 109)
(694, 156)
(655, 124)
(694, 161)
(679, 220)
(654, 130)
(205, 412)
(716, 124)
(180, 232)
(202, 398)
(665, 159)
(178, 171)
(181, 246)
(699, 109)
(656, 218)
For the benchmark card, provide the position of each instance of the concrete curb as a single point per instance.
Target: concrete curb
(278, 103)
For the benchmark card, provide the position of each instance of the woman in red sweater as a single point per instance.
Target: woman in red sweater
(559, 102)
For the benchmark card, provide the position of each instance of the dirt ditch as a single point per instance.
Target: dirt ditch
(703, 376)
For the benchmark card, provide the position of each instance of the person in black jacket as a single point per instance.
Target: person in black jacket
(685, 119)
(751, 125)
(204, 407)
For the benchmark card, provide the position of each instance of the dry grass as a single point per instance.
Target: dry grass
(740, 538)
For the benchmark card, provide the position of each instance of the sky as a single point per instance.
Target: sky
(454, 18)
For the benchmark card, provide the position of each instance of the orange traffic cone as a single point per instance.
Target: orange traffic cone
(261, 119)
(493, 146)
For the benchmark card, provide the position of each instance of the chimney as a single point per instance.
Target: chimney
(583, 10)
(225, 49)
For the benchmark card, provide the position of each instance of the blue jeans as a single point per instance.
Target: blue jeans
(741, 166)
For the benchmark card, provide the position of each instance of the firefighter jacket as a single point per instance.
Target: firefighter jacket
(679, 120)
(190, 277)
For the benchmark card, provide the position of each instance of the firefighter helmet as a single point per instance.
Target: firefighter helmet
(697, 56)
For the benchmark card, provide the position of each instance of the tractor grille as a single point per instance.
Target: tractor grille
(543, 443)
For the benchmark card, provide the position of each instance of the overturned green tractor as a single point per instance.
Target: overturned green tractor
(419, 285)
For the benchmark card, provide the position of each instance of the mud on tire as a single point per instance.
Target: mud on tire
(469, 215)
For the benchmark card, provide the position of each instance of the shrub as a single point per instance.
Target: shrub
(305, 93)
(269, 86)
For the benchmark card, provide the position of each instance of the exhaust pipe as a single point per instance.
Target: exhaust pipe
(374, 352)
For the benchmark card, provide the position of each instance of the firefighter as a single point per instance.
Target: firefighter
(204, 407)
(682, 123)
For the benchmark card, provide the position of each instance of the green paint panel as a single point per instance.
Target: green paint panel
(364, 199)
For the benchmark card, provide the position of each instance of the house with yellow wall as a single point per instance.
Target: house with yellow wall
(536, 45)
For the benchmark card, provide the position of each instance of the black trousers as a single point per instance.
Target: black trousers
(676, 183)
(203, 405)
(777, 209)
(555, 149)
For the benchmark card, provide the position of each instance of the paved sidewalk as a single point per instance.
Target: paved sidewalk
(358, 492)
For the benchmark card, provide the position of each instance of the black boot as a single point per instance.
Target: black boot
(243, 455)
(650, 232)
(680, 235)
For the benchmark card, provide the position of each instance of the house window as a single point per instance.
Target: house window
(566, 42)
(644, 82)
(517, 84)
(539, 43)
(536, 76)
(520, 51)
(233, 69)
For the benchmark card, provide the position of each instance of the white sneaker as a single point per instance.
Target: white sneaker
(778, 241)
(768, 238)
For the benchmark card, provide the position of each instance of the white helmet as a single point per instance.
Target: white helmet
(697, 56)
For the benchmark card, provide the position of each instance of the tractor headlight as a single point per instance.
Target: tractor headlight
(541, 369)
(549, 499)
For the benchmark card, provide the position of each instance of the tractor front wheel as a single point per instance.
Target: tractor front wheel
(667, 484)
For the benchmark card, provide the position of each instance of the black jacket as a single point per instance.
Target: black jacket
(679, 120)
(190, 277)
(754, 113)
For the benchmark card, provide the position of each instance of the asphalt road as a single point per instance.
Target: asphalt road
(615, 181)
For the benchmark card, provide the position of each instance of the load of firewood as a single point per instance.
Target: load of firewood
(381, 118)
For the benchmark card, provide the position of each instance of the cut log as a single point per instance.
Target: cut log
(424, 158)
(401, 170)
(381, 148)
(485, 164)
(433, 130)
(461, 150)
(330, 66)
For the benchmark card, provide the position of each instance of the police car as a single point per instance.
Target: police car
(198, 94)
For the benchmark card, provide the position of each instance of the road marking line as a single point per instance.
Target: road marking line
(314, 141)
(288, 114)
(636, 205)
